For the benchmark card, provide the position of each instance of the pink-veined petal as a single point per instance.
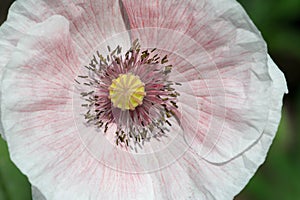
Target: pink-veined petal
(86, 29)
(41, 126)
(234, 70)
(194, 178)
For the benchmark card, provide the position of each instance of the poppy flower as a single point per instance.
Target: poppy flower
(135, 99)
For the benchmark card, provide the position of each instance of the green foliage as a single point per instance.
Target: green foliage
(278, 21)
(13, 184)
(279, 177)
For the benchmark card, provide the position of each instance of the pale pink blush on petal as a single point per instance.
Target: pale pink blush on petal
(19, 21)
(42, 128)
(198, 179)
(86, 29)
(236, 61)
(16, 24)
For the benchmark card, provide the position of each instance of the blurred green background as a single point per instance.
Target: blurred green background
(279, 177)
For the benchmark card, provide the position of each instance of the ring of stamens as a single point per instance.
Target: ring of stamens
(127, 92)
(131, 91)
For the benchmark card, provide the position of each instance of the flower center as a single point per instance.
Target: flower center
(127, 92)
(132, 91)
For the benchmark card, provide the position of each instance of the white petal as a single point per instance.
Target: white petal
(91, 24)
(192, 177)
(42, 129)
(224, 62)
(43, 139)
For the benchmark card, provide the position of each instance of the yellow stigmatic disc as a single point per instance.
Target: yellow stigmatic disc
(127, 92)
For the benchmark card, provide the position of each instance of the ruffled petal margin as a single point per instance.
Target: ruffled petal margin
(228, 72)
(43, 139)
(42, 131)
(192, 177)
(86, 29)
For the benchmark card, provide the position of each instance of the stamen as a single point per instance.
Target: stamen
(137, 85)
